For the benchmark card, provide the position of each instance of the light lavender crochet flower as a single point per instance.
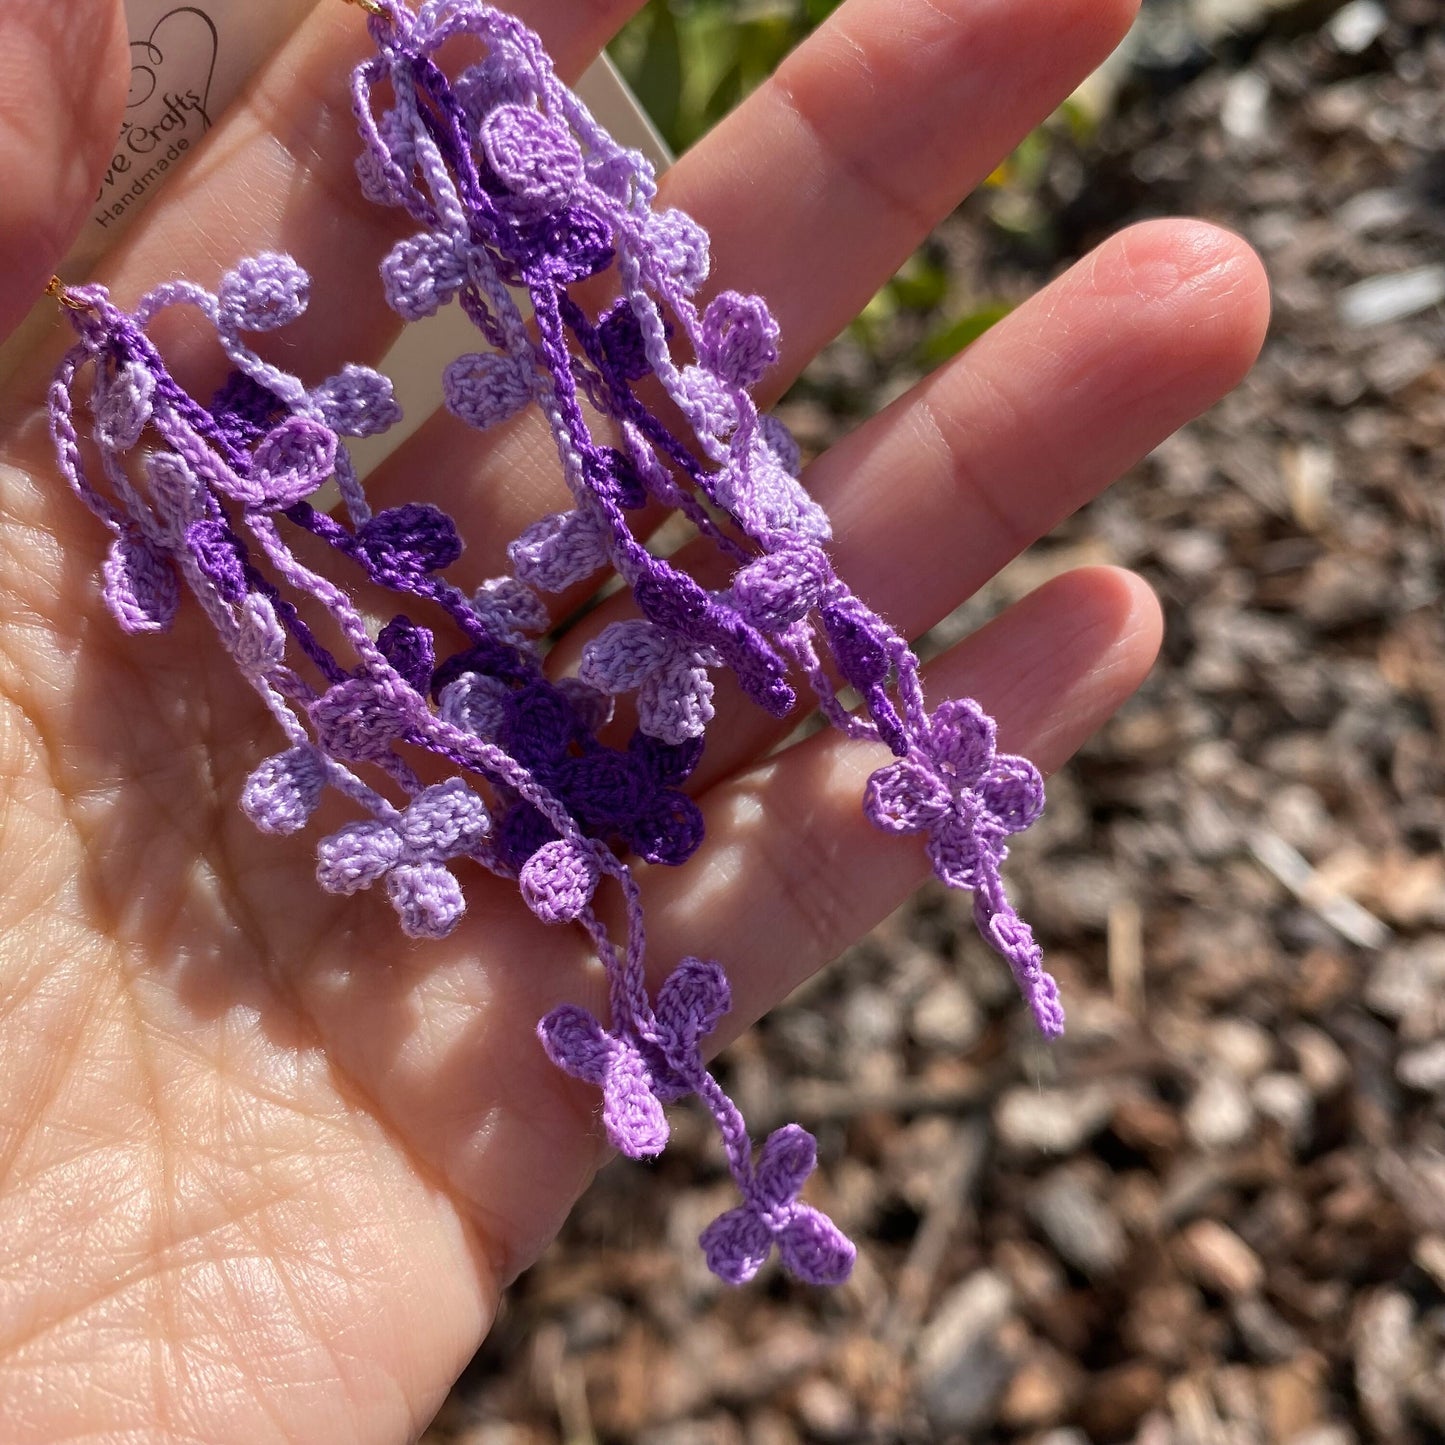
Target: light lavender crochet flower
(674, 691)
(442, 822)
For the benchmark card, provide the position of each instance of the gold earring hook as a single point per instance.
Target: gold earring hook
(56, 287)
(372, 7)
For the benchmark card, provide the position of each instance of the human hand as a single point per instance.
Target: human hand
(267, 1163)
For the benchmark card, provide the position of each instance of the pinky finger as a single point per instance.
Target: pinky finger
(794, 872)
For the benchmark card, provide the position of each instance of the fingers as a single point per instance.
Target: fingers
(934, 495)
(814, 191)
(62, 92)
(793, 872)
(821, 186)
(278, 173)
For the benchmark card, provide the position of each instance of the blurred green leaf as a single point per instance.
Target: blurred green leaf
(950, 339)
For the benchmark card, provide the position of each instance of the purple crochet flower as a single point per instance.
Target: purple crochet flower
(638, 1077)
(964, 794)
(632, 1114)
(811, 1247)
(441, 822)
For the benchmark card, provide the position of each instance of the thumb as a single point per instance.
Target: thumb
(63, 79)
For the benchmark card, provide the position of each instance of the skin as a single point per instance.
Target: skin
(265, 1165)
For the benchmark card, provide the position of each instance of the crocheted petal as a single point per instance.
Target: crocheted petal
(593, 707)
(771, 503)
(668, 830)
(358, 720)
(558, 881)
(175, 492)
(1013, 792)
(421, 273)
(356, 856)
(622, 655)
(632, 1115)
(427, 899)
(444, 820)
(962, 735)
(813, 1249)
(780, 441)
(294, 458)
(218, 555)
(476, 704)
(779, 588)
(576, 1043)
(711, 407)
(535, 157)
(694, 996)
(736, 1245)
(559, 550)
(667, 764)
(262, 293)
(260, 637)
(789, 1156)
(140, 589)
(122, 406)
(674, 703)
(739, 338)
(484, 389)
(357, 401)
(281, 795)
(511, 607)
(957, 852)
(401, 544)
(680, 246)
(904, 797)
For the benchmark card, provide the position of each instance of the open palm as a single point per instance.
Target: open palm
(265, 1164)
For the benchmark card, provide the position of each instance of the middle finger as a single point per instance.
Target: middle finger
(814, 191)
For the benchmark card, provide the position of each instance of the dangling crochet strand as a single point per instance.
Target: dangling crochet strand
(517, 190)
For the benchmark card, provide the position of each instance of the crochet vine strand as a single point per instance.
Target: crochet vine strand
(518, 191)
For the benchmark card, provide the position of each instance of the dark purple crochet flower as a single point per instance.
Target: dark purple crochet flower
(964, 794)
(810, 1245)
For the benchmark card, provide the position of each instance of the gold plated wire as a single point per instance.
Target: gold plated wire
(56, 287)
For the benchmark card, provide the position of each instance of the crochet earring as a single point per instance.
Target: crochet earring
(517, 191)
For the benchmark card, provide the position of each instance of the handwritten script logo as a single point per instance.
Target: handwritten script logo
(167, 109)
